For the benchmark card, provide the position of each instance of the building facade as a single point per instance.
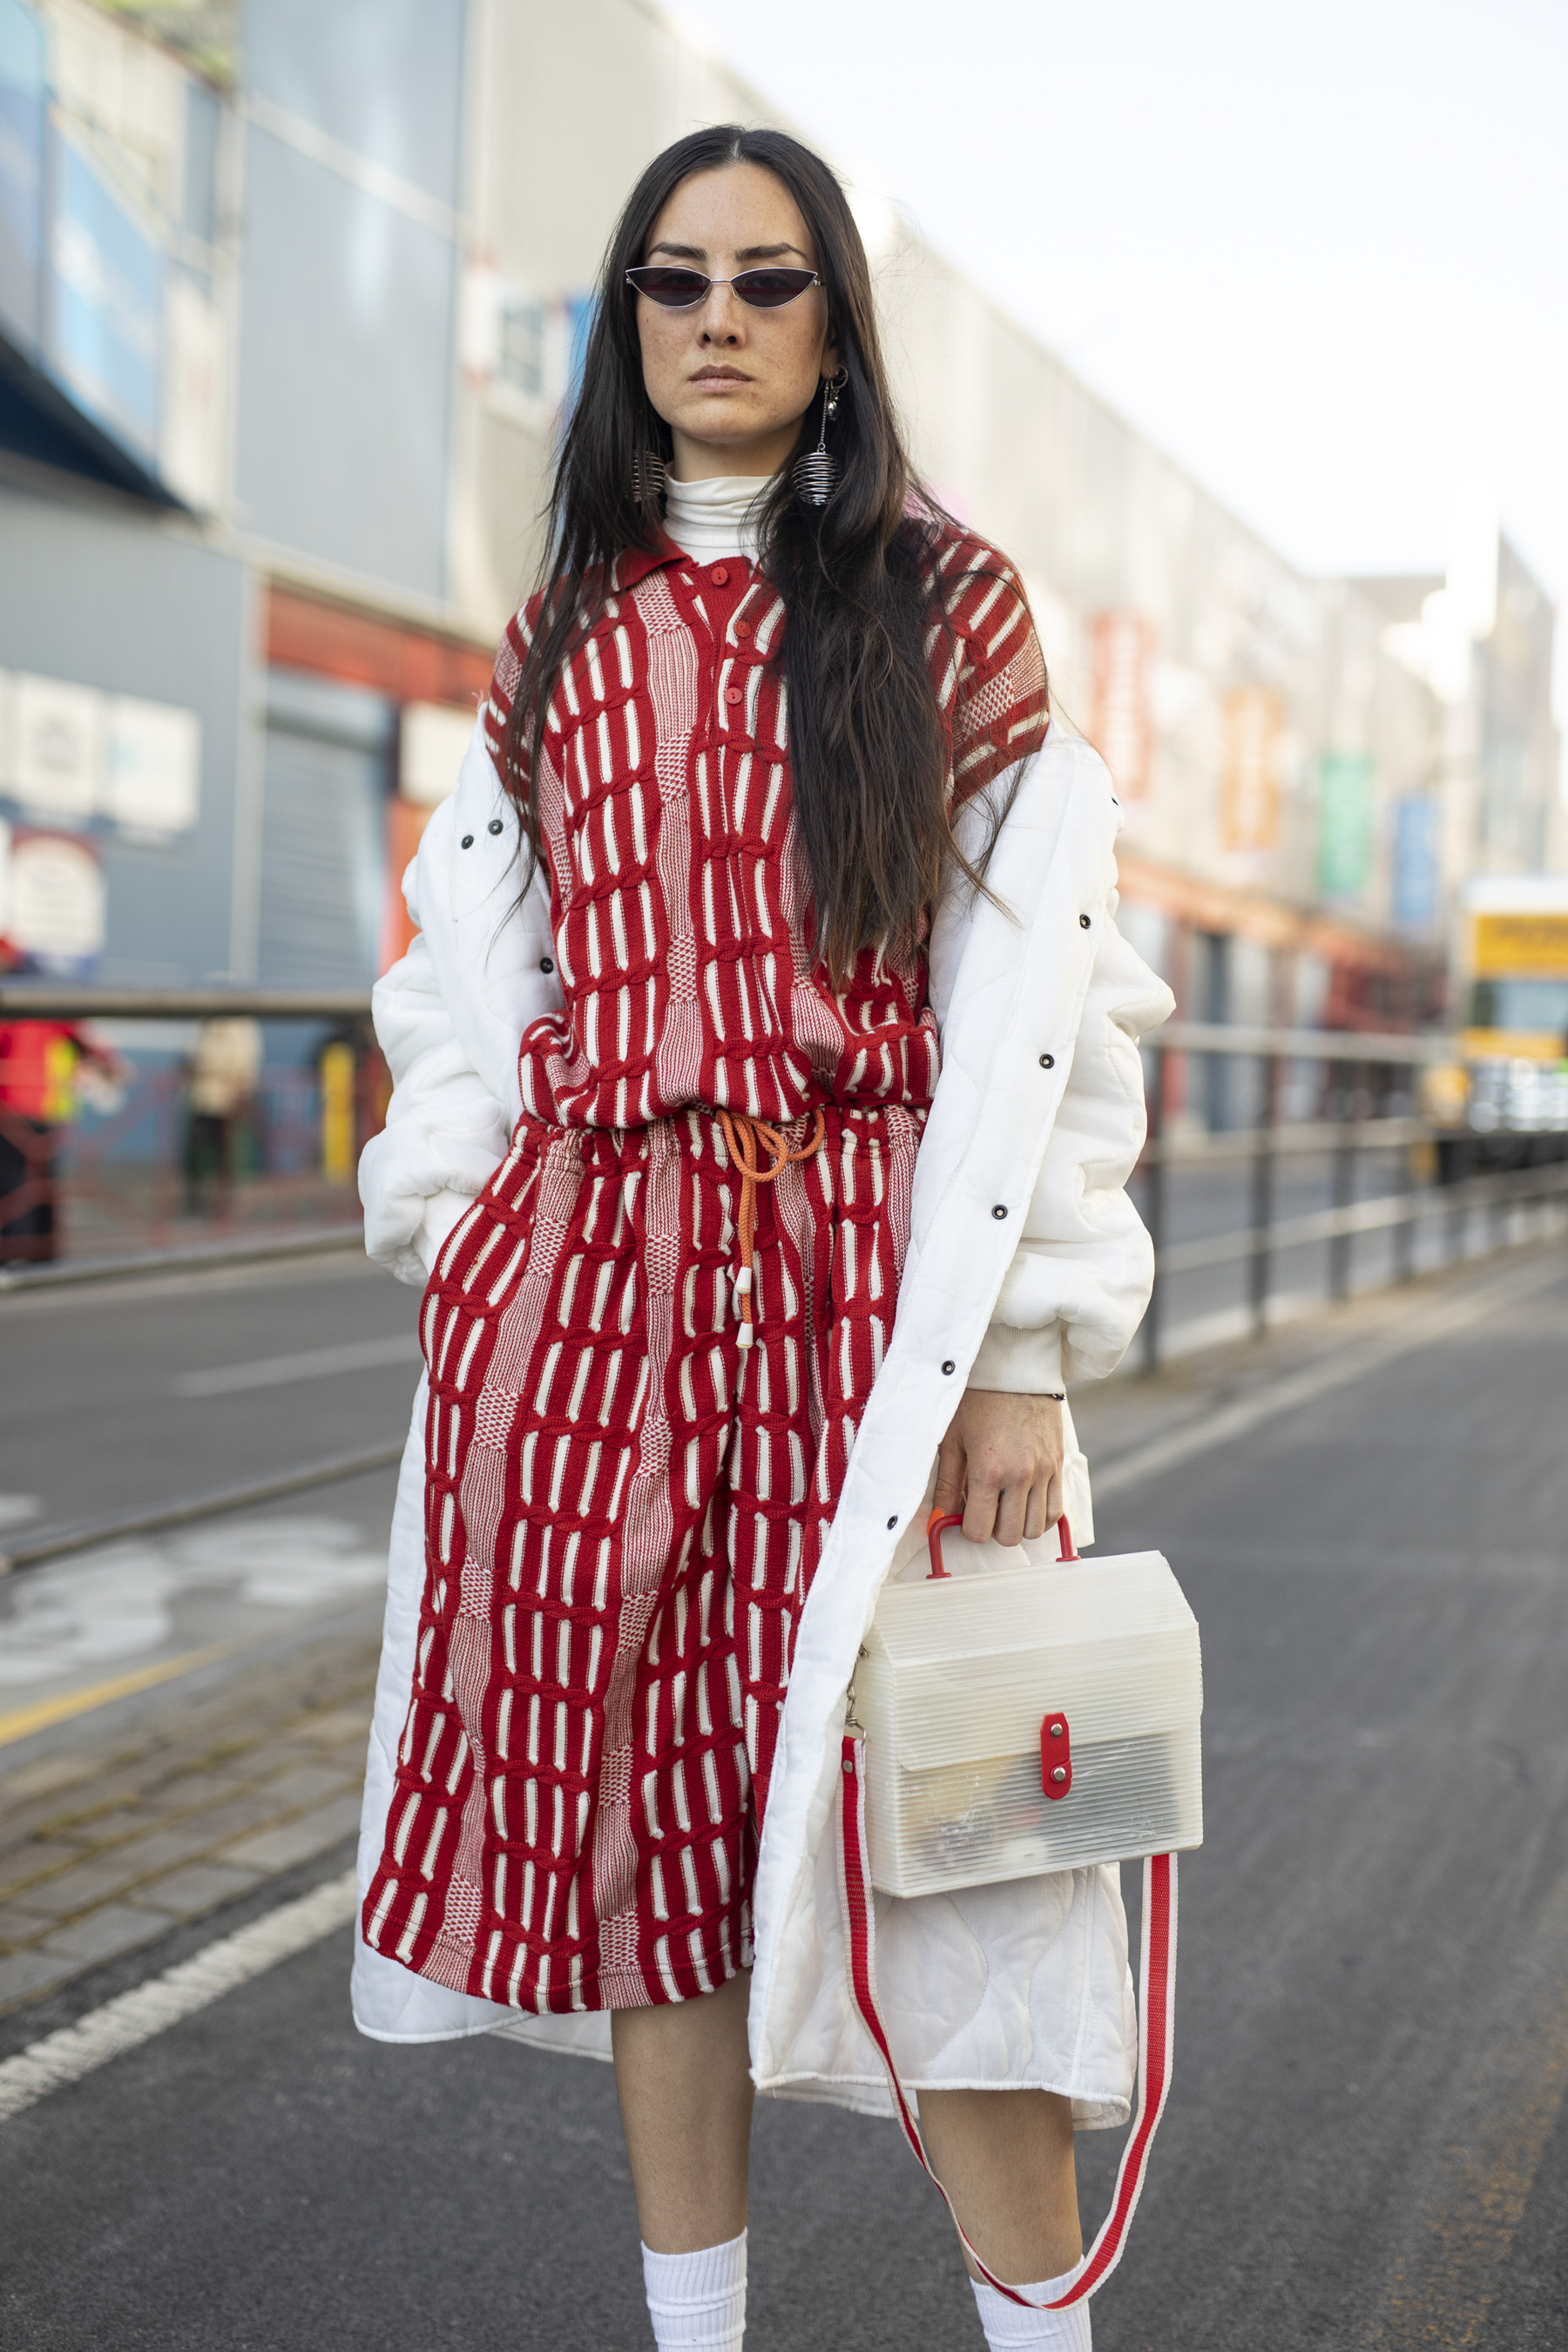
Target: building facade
(290, 299)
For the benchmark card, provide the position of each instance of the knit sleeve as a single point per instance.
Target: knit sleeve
(991, 675)
(511, 654)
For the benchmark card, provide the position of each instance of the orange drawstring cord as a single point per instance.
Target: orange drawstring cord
(742, 1135)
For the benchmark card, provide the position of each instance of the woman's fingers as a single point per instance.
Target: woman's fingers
(950, 1476)
(979, 1509)
(1013, 1511)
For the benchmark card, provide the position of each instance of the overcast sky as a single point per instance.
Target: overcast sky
(1318, 254)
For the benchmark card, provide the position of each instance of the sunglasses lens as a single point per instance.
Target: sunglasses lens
(676, 290)
(766, 289)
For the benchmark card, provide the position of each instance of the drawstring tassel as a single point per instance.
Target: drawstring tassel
(743, 1133)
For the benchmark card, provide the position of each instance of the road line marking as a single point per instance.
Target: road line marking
(309, 1364)
(24, 1720)
(1206, 1431)
(149, 2009)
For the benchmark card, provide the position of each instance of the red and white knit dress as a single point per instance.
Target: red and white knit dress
(623, 1503)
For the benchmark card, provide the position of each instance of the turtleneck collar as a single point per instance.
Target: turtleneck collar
(714, 519)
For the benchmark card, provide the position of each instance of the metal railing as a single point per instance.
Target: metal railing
(1351, 1070)
(1355, 1115)
(190, 1192)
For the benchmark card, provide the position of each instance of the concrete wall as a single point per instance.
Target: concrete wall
(91, 594)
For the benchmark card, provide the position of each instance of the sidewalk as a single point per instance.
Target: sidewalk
(114, 1835)
(115, 1841)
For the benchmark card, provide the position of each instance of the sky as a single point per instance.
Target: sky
(1318, 255)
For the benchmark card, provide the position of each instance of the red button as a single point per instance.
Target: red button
(742, 629)
(731, 694)
(721, 573)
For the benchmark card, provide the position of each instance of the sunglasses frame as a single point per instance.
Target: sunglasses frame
(808, 279)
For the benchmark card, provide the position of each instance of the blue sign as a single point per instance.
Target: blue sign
(1416, 862)
(22, 60)
(105, 303)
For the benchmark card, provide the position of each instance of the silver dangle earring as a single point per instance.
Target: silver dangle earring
(648, 471)
(815, 473)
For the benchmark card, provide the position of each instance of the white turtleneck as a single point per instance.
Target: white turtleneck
(710, 520)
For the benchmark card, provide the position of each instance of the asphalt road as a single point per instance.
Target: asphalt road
(1367, 2142)
(121, 1399)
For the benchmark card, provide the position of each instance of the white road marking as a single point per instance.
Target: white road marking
(124, 1602)
(149, 2009)
(1424, 1327)
(310, 1364)
(16, 1508)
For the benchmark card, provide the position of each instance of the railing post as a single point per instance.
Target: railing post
(1344, 1182)
(1154, 1203)
(1263, 1198)
(1405, 1232)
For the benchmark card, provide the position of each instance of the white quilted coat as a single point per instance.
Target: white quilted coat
(1039, 1112)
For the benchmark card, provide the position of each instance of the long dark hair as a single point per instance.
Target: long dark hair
(869, 751)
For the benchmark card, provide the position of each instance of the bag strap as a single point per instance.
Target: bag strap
(1156, 2020)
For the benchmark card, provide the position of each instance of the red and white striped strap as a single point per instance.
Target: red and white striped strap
(1156, 2021)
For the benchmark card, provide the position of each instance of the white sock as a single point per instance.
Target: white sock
(699, 2300)
(1012, 2327)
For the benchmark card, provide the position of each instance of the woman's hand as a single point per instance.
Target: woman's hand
(1000, 1466)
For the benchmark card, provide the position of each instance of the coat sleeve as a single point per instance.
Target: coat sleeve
(1077, 1289)
(445, 1133)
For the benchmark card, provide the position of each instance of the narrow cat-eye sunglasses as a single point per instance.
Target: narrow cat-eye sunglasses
(682, 289)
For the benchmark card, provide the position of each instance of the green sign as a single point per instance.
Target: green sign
(1344, 823)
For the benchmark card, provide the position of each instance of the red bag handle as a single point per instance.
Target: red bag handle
(939, 1521)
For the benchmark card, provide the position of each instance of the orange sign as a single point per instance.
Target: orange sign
(1122, 650)
(1249, 797)
(1524, 941)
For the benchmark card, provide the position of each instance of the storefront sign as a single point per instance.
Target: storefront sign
(1122, 648)
(69, 751)
(55, 914)
(432, 740)
(105, 303)
(1249, 797)
(152, 766)
(1344, 823)
(57, 746)
(22, 59)
(1416, 862)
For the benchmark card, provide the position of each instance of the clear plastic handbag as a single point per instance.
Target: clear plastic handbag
(1005, 1724)
(1029, 1720)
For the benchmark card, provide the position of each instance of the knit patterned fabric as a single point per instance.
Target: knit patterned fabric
(622, 1517)
(623, 1508)
(679, 900)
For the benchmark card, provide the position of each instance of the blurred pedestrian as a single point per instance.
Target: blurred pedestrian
(766, 962)
(44, 1066)
(220, 1094)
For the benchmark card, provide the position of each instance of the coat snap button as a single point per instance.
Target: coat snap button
(1083, 922)
(1047, 1061)
(998, 1210)
(545, 964)
(894, 1521)
(950, 1366)
(494, 825)
(466, 841)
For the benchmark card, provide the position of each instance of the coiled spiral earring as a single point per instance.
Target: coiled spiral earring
(648, 473)
(815, 473)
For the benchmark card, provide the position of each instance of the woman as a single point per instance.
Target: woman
(799, 1026)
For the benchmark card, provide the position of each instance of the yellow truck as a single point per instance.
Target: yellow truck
(1502, 1102)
